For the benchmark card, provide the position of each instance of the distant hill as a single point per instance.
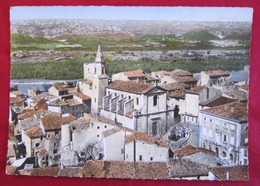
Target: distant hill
(54, 27)
(25, 39)
(200, 35)
(238, 36)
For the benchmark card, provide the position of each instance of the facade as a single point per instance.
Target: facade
(215, 77)
(224, 130)
(136, 106)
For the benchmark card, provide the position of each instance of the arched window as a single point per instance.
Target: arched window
(231, 157)
(224, 154)
(155, 100)
(217, 151)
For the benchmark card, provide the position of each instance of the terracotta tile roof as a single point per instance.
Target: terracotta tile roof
(70, 172)
(129, 86)
(237, 94)
(122, 169)
(80, 124)
(186, 168)
(135, 73)
(10, 148)
(44, 95)
(189, 149)
(184, 79)
(61, 87)
(217, 72)
(10, 169)
(72, 102)
(41, 105)
(56, 121)
(34, 132)
(146, 138)
(15, 99)
(179, 72)
(82, 96)
(236, 172)
(162, 73)
(196, 90)
(42, 153)
(244, 87)
(47, 171)
(177, 94)
(174, 86)
(87, 81)
(235, 111)
(58, 103)
(27, 113)
(130, 113)
(150, 78)
(218, 101)
(111, 131)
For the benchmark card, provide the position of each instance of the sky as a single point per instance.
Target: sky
(132, 13)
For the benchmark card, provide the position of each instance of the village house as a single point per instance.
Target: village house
(62, 88)
(136, 106)
(216, 78)
(18, 94)
(163, 77)
(234, 173)
(224, 130)
(32, 101)
(95, 80)
(32, 92)
(16, 107)
(76, 104)
(136, 75)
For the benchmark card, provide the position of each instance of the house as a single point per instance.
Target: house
(215, 77)
(237, 173)
(18, 94)
(193, 98)
(122, 169)
(189, 80)
(16, 107)
(197, 154)
(32, 92)
(187, 170)
(136, 106)
(137, 76)
(62, 88)
(82, 139)
(94, 82)
(163, 77)
(76, 104)
(31, 102)
(224, 130)
(141, 147)
(216, 101)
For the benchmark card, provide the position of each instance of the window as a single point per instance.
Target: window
(129, 97)
(115, 94)
(97, 135)
(140, 157)
(56, 132)
(225, 138)
(105, 126)
(225, 125)
(95, 70)
(37, 144)
(209, 147)
(54, 144)
(97, 127)
(95, 100)
(224, 154)
(231, 157)
(122, 95)
(245, 153)
(108, 92)
(205, 119)
(211, 120)
(151, 158)
(55, 151)
(137, 101)
(155, 97)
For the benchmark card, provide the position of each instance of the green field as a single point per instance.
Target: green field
(73, 68)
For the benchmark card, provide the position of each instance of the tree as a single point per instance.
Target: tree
(92, 150)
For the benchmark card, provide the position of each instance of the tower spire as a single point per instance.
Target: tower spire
(99, 55)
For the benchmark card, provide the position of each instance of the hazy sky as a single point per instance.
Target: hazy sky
(131, 13)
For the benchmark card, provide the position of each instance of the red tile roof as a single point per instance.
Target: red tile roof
(41, 105)
(82, 96)
(47, 171)
(236, 111)
(34, 132)
(218, 101)
(122, 169)
(27, 113)
(42, 153)
(189, 149)
(184, 79)
(196, 90)
(217, 72)
(244, 87)
(129, 86)
(174, 86)
(236, 172)
(135, 73)
(56, 121)
(177, 94)
(15, 99)
(179, 72)
(146, 138)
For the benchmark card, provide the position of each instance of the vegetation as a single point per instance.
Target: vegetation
(73, 68)
(200, 35)
(238, 36)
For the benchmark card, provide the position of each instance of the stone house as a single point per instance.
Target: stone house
(137, 76)
(215, 77)
(136, 106)
(224, 130)
(76, 104)
(141, 147)
(163, 77)
(32, 92)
